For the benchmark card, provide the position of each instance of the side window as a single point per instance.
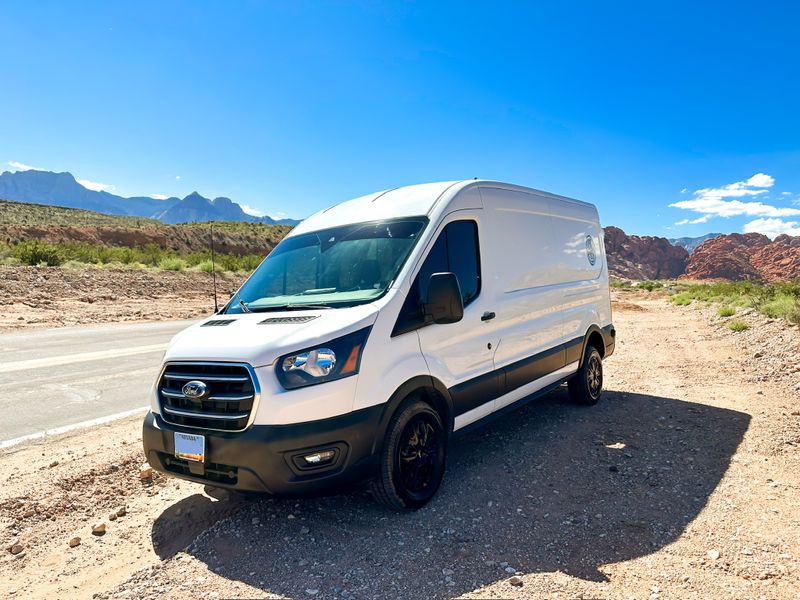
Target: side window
(456, 250)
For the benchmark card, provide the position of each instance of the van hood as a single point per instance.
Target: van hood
(259, 339)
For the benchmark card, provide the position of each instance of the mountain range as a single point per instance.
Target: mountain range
(691, 243)
(61, 189)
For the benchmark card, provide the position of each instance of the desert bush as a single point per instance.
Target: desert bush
(779, 306)
(172, 264)
(33, 252)
(681, 299)
(738, 326)
(206, 266)
(726, 311)
(650, 285)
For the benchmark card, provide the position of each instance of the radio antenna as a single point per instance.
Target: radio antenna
(214, 271)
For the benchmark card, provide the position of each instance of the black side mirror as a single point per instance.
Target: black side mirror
(444, 303)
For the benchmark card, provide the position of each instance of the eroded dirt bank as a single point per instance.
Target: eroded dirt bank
(57, 297)
(682, 483)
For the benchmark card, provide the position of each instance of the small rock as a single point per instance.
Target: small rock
(304, 530)
(447, 572)
(613, 468)
(112, 517)
(713, 554)
(74, 542)
(145, 472)
(516, 580)
(99, 528)
(504, 564)
(312, 592)
(255, 521)
(758, 355)
(122, 511)
(28, 513)
(54, 464)
(510, 570)
(16, 548)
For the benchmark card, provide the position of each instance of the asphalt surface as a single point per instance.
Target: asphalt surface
(55, 378)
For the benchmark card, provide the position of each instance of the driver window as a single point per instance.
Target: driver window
(455, 250)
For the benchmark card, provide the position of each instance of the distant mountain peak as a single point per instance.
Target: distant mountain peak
(62, 189)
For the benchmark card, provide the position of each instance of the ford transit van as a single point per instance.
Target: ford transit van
(375, 330)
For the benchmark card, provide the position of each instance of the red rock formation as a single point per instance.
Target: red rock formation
(750, 256)
(642, 257)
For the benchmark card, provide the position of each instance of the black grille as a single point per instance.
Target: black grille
(217, 322)
(287, 320)
(211, 471)
(226, 405)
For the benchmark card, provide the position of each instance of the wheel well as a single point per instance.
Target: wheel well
(596, 340)
(437, 401)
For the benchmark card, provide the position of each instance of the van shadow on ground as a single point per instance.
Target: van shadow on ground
(548, 487)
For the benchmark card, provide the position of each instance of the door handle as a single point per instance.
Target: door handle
(488, 316)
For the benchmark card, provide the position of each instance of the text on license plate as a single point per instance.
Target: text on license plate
(189, 446)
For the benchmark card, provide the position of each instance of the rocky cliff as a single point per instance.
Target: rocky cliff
(643, 257)
(750, 256)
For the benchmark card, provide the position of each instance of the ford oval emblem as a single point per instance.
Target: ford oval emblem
(590, 250)
(194, 389)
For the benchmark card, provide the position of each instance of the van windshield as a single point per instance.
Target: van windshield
(330, 268)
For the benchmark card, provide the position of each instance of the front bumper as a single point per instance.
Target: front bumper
(264, 458)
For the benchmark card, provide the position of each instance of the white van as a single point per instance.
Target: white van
(376, 329)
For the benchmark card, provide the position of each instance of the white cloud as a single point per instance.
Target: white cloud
(96, 185)
(786, 193)
(684, 190)
(253, 212)
(159, 196)
(772, 228)
(703, 219)
(712, 202)
(760, 180)
(23, 167)
(177, 176)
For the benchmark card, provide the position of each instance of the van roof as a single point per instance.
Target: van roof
(407, 201)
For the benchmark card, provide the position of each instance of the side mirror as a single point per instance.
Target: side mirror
(444, 303)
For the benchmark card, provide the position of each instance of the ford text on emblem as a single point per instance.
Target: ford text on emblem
(194, 389)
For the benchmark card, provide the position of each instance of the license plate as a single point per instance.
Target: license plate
(189, 446)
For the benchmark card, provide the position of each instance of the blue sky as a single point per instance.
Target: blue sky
(288, 107)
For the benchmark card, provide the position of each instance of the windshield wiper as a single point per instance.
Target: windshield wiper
(243, 304)
(288, 307)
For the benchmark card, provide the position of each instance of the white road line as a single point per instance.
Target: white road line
(55, 361)
(66, 428)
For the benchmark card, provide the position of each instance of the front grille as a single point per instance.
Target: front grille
(226, 404)
(211, 471)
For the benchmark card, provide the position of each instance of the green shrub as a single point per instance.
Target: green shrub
(681, 299)
(779, 306)
(726, 311)
(650, 285)
(172, 264)
(206, 266)
(33, 252)
(738, 326)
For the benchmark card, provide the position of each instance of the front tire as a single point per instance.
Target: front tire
(412, 459)
(587, 385)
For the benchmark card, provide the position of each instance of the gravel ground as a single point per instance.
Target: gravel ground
(681, 483)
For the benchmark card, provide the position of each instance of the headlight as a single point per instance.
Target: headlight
(325, 362)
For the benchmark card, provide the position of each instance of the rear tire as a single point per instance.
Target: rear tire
(412, 459)
(587, 384)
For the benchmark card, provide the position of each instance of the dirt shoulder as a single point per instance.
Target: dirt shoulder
(682, 483)
(58, 297)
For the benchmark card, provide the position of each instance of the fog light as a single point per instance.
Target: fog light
(320, 458)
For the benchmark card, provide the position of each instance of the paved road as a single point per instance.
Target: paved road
(59, 377)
